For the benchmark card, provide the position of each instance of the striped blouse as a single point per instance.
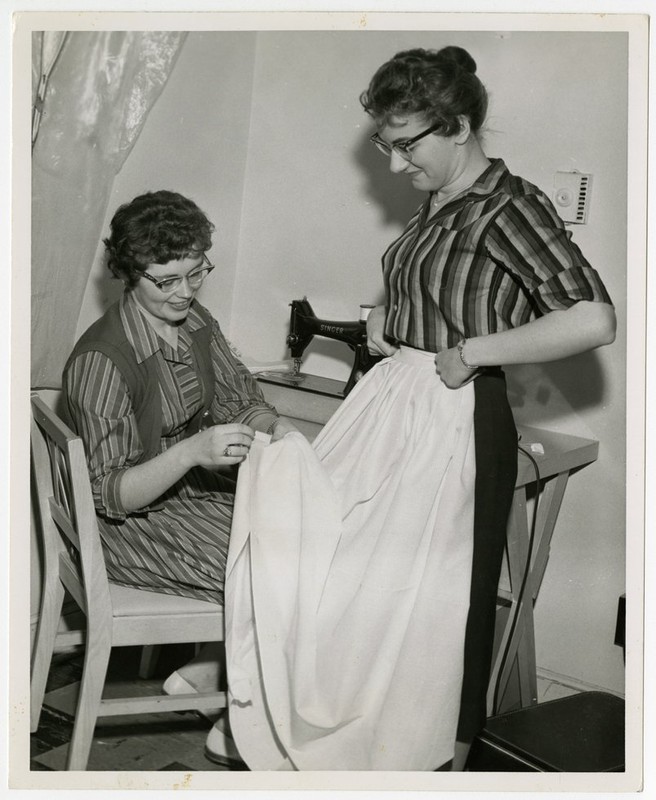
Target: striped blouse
(179, 543)
(493, 258)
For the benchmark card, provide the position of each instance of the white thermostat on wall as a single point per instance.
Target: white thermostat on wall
(572, 196)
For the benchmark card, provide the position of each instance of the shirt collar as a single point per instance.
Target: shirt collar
(489, 181)
(145, 342)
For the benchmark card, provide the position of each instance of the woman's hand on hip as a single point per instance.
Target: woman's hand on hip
(453, 373)
(376, 342)
(221, 445)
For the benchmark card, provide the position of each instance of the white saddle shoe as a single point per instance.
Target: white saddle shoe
(220, 745)
(176, 684)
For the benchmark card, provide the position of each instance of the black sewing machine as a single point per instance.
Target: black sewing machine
(304, 325)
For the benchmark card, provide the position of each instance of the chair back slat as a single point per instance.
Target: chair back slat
(61, 477)
(50, 423)
(62, 518)
(69, 573)
(68, 517)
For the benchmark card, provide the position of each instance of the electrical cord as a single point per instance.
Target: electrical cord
(527, 567)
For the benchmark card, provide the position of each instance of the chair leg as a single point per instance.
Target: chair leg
(149, 655)
(44, 645)
(96, 660)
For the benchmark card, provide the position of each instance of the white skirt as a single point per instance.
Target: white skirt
(348, 579)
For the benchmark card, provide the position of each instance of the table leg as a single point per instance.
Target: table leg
(519, 639)
(548, 508)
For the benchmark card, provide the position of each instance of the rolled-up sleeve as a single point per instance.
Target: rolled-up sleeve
(532, 241)
(101, 409)
(237, 395)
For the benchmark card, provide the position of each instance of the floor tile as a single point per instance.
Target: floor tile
(145, 746)
(145, 742)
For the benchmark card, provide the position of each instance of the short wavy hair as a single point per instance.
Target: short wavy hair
(440, 85)
(155, 228)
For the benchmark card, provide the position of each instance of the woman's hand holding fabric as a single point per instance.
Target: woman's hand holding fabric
(453, 373)
(376, 342)
(221, 445)
(218, 446)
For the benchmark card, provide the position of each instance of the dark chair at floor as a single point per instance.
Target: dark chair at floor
(580, 733)
(115, 615)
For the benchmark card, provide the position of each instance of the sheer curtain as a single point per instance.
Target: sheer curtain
(91, 93)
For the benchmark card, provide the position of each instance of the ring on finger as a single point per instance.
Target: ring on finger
(227, 452)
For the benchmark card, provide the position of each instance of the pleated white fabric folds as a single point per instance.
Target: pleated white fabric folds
(348, 580)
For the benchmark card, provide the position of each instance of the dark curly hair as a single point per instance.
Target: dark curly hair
(155, 228)
(441, 85)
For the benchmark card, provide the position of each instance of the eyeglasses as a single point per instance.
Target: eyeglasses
(194, 279)
(403, 148)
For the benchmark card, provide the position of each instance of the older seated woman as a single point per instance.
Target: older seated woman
(166, 412)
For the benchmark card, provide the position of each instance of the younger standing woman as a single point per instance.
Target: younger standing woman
(361, 665)
(485, 274)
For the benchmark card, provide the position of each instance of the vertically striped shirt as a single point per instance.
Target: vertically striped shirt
(179, 543)
(493, 258)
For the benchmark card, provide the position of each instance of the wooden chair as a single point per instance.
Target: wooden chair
(116, 616)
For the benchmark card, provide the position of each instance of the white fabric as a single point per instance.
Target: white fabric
(348, 579)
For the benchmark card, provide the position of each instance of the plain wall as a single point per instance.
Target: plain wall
(266, 132)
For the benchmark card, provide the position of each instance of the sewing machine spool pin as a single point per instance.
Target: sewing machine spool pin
(304, 325)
